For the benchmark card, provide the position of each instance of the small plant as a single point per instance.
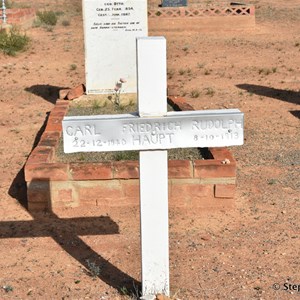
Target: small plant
(126, 155)
(183, 93)
(170, 73)
(59, 13)
(36, 23)
(200, 65)
(267, 71)
(117, 89)
(94, 270)
(8, 4)
(48, 28)
(195, 93)
(81, 157)
(15, 130)
(96, 104)
(189, 71)
(8, 288)
(124, 291)
(272, 181)
(185, 48)
(47, 17)
(65, 23)
(207, 72)
(181, 72)
(73, 67)
(132, 294)
(13, 41)
(210, 91)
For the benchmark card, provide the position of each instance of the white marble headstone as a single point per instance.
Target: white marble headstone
(110, 31)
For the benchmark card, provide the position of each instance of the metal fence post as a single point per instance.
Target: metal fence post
(3, 12)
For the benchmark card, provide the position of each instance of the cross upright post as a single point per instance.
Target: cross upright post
(152, 89)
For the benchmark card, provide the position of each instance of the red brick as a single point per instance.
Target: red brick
(179, 103)
(44, 171)
(123, 201)
(189, 188)
(225, 190)
(37, 206)
(50, 139)
(62, 103)
(191, 195)
(76, 92)
(58, 113)
(131, 188)
(54, 124)
(222, 154)
(126, 169)
(38, 191)
(100, 191)
(180, 169)
(213, 169)
(65, 195)
(40, 154)
(91, 171)
(172, 90)
(60, 109)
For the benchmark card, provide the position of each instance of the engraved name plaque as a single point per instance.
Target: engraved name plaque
(213, 128)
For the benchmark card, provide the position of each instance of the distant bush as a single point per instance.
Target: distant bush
(47, 17)
(8, 4)
(13, 41)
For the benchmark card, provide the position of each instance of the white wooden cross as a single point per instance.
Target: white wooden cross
(152, 131)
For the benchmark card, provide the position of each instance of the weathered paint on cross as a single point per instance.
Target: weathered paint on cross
(157, 130)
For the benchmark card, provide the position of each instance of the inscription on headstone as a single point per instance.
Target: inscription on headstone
(174, 3)
(110, 31)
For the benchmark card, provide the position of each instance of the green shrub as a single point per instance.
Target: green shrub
(8, 4)
(47, 17)
(73, 67)
(13, 41)
(195, 93)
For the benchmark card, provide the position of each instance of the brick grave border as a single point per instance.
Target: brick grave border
(193, 184)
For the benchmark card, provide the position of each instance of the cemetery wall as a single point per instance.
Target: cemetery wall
(195, 184)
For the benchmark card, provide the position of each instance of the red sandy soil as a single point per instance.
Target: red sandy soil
(236, 254)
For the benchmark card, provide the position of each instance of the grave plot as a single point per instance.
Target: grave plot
(152, 131)
(195, 16)
(199, 184)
